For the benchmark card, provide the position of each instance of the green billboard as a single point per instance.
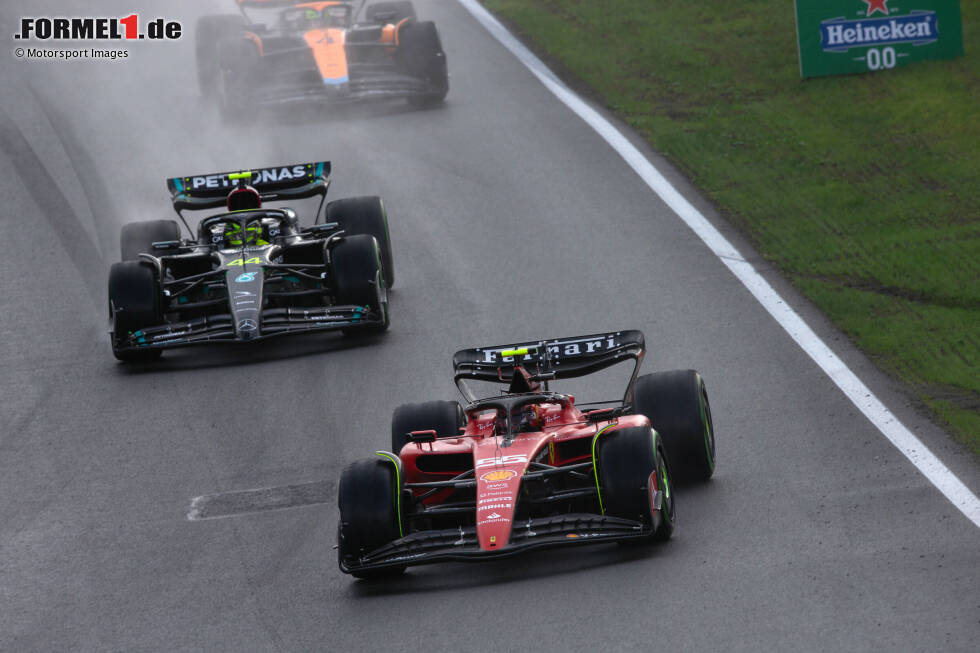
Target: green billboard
(837, 37)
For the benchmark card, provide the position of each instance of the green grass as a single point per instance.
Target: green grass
(863, 189)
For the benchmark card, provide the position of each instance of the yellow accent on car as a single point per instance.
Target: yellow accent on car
(514, 352)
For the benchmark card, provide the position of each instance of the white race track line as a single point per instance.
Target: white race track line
(862, 397)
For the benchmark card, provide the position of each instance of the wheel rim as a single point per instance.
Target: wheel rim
(668, 500)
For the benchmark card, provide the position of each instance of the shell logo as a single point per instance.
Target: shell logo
(499, 475)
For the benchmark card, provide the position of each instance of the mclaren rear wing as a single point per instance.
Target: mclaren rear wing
(561, 358)
(289, 182)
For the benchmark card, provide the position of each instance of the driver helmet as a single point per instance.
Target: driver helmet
(252, 236)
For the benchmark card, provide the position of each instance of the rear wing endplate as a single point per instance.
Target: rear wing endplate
(289, 182)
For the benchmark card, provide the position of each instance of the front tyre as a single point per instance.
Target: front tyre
(356, 264)
(634, 479)
(421, 56)
(134, 304)
(369, 513)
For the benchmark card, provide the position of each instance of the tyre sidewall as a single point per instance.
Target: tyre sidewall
(676, 403)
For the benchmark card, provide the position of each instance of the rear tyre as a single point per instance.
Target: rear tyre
(389, 12)
(632, 467)
(421, 56)
(676, 403)
(134, 303)
(368, 501)
(356, 264)
(138, 237)
(365, 215)
(443, 417)
(210, 31)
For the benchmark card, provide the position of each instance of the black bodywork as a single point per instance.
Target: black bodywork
(210, 292)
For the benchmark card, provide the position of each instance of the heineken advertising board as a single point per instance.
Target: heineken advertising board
(836, 37)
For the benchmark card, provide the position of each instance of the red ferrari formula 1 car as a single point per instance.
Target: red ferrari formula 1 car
(528, 468)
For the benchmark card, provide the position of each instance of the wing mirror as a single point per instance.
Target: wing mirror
(422, 436)
(603, 414)
(323, 228)
(167, 245)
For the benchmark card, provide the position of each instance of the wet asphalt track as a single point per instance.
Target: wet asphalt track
(510, 220)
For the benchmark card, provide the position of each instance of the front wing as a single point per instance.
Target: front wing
(425, 547)
(374, 87)
(274, 322)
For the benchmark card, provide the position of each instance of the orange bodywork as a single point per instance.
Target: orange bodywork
(327, 44)
(328, 47)
(328, 51)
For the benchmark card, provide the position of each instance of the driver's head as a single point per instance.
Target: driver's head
(244, 198)
(234, 235)
(301, 19)
(531, 417)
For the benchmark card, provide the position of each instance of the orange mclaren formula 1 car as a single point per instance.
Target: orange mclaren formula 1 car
(277, 52)
(527, 467)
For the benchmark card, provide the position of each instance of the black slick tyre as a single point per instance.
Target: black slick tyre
(365, 215)
(676, 403)
(134, 303)
(369, 513)
(356, 264)
(421, 56)
(137, 238)
(210, 31)
(443, 417)
(632, 469)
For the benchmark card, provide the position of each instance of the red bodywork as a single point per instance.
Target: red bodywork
(562, 437)
(523, 473)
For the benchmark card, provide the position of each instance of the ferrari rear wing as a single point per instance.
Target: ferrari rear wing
(289, 182)
(561, 358)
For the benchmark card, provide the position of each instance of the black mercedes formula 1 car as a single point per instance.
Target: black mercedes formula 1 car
(529, 467)
(250, 272)
(317, 51)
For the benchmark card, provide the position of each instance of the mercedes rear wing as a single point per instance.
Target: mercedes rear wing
(545, 360)
(279, 183)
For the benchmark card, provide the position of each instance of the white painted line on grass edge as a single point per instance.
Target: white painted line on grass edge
(855, 389)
